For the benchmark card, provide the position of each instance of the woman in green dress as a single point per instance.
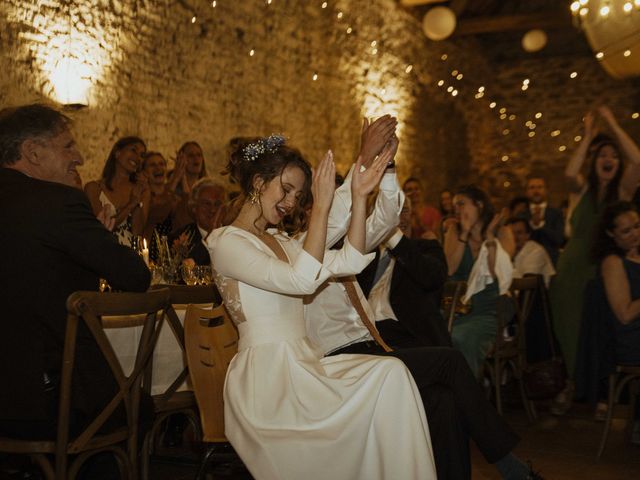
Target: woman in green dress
(474, 228)
(606, 182)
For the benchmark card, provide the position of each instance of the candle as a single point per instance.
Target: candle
(145, 252)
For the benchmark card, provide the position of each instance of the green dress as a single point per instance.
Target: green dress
(474, 333)
(574, 270)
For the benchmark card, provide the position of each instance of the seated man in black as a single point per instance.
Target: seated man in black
(51, 245)
(206, 201)
(404, 286)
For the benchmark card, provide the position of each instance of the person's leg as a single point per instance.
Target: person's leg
(473, 337)
(447, 366)
(396, 334)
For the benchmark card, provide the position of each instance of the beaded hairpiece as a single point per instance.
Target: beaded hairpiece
(252, 151)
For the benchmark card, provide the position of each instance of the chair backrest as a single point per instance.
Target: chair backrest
(89, 307)
(452, 293)
(212, 342)
(180, 295)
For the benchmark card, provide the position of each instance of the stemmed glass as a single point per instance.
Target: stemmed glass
(189, 274)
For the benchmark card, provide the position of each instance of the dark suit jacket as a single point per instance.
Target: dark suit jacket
(551, 235)
(51, 245)
(416, 288)
(198, 252)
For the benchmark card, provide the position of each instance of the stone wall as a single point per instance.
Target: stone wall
(172, 71)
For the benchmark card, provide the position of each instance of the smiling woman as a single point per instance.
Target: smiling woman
(124, 188)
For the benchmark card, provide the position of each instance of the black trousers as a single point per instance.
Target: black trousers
(455, 405)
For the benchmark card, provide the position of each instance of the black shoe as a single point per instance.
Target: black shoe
(533, 475)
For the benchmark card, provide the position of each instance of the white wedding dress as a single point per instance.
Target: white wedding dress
(290, 413)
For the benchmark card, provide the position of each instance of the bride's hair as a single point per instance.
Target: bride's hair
(267, 158)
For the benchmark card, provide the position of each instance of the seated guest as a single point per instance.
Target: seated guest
(547, 222)
(190, 167)
(530, 257)
(124, 188)
(617, 248)
(425, 218)
(404, 288)
(162, 203)
(478, 250)
(52, 245)
(206, 202)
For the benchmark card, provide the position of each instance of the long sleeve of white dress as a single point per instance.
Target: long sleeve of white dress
(242, 256)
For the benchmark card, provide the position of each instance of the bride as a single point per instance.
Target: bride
(290, 413)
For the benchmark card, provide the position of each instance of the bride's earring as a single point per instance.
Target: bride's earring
(254, 196)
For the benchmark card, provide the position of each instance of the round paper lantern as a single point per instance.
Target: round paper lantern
(438, 23)
(534, 40)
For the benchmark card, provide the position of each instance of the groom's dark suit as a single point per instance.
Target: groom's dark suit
(416, 289)
(551, 234)
(52, 245)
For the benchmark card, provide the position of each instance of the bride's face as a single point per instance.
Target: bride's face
(281, 195)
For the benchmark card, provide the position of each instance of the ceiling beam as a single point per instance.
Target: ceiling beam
(502, 23)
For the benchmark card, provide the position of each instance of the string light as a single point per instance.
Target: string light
(340, 14)
(374, 43)
(408, 69)
(492, 105)
(324, 4)
(532, 134)
(538, 115)
(575, 6)
(480, 89)
(503, 110)
(599, 55)
(349, 30)
(315, 77)
(584, 11)
(252, 52)
(635, 115)
(555, 133)
(507, 184)
(627, 7)
(193, 19)
(444, 57)
(503, 116)
(505, 158)
(450, 89)
(214, 4)
(577, 138)
(512, 117)
(528, 123)
(506, 131)
(440, 83)
(459, 76)
(627, 53)
(454, 93)
(479, 95)
(604, 11)
(573, 75)
(454, 73)
(562, 148)
(374, 51)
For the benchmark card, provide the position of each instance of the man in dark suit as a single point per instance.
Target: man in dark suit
(404, 286)
(546, 222)
(206, 201)
(51, 245)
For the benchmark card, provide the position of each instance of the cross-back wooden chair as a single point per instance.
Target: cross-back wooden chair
(511, 350)
(452, 293)
(623, 375)
(89, 307)
(171, 401)
(212, 342)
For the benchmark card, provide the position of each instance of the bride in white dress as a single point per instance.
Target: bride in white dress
(290, 413)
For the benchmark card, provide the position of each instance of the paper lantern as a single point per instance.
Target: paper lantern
(439, 23)
(534, 40)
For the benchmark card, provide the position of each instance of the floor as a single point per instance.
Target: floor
(559, 448)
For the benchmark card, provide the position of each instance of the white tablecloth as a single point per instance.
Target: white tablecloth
(168, 357)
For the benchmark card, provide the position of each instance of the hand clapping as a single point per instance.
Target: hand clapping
(323, 182)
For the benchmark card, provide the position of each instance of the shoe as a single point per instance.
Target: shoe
(563, 401)
(532, 474)
(600, 414)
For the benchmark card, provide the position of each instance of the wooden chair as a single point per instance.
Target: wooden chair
(88, 307)
(211, 342)
(171, 401)
(624, 374)
(511, 351)
(452, 292)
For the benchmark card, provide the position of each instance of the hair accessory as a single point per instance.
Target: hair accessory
(252, 151)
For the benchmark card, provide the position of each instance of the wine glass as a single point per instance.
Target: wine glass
(189, 274)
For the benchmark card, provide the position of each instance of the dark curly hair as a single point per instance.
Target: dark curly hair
(109, 169)
(480, 200)
(604, 245)
(268, 166)
(612, 190)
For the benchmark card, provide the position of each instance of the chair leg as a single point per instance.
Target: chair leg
(211, 450)
(45, 465)
(607, 424)
(634, 389)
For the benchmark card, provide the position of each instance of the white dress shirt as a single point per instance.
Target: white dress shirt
(331, 320)
(379, 294)
(533, 258)
(532, 208)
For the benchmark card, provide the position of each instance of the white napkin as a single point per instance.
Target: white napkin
(480, 275)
